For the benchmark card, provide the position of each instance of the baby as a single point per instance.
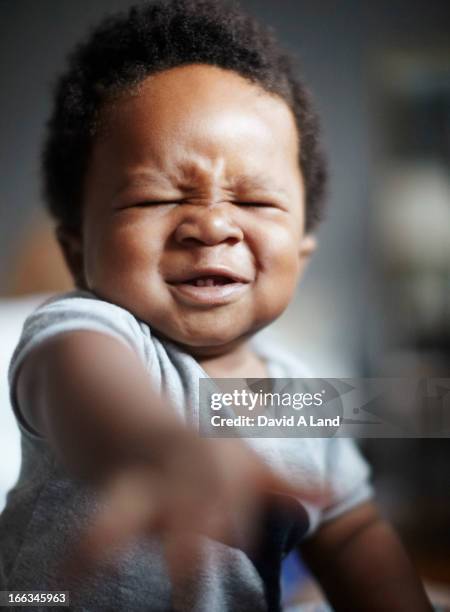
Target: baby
(183, 171)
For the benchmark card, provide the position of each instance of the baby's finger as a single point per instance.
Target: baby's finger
(185, 557)
(266, 478)
(305, 491)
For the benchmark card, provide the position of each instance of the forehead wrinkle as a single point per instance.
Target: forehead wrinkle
(198, 170)
(143, 178)
(194, 173)
(255, 182)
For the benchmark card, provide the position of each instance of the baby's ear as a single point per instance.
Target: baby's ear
(308, 245)
(71, 243)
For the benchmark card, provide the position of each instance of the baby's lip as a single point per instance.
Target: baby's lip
(209, 271)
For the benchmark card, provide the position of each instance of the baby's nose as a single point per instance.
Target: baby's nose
(208, 226)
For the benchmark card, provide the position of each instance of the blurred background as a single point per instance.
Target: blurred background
(376, 298)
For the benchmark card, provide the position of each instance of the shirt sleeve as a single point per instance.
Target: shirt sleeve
(347, 477)
(74, 311)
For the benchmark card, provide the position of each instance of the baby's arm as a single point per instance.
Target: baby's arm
(89, 395)
(86, 394)
(362, 566)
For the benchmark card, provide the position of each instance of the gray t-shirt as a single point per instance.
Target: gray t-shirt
(47, 508)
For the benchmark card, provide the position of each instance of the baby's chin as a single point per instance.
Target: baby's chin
(213, 342)
(206, 344)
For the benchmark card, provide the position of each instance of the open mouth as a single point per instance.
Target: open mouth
(209, 287)
(209, 281)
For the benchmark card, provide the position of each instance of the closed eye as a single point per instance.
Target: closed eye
(256, 204)
(146, 203)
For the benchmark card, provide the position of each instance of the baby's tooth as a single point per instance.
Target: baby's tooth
(200, 282)
(209, 282)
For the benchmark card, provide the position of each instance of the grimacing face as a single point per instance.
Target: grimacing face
(194, 208)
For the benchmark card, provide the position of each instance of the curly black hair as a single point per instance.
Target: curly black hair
(127, 47)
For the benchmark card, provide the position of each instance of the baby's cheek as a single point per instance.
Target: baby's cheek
(278, 280)
(280, 255)
(284, 275)
(119, 261)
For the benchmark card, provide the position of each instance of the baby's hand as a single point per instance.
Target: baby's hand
(189, 487)
(110, 428)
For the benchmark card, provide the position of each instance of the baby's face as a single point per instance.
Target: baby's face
(194, 207)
